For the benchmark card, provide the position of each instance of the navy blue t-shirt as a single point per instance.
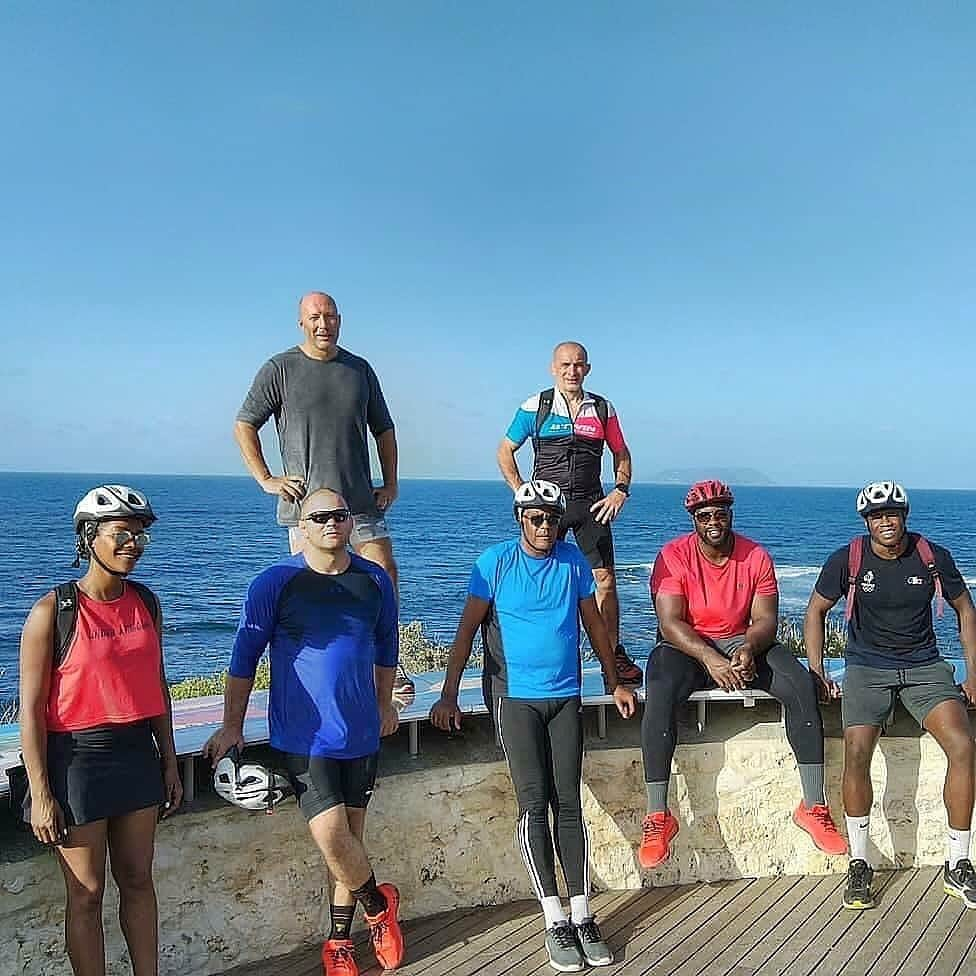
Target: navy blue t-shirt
(531, 634)
(326, 632)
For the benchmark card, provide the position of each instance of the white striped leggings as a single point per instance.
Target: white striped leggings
(543, 743)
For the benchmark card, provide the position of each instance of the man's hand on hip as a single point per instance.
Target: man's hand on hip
(385, 497)
(608, 508)
(290, 488)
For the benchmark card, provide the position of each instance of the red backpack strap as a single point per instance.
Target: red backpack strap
(855, 553)
(924, 550)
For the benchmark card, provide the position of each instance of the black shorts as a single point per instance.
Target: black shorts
(321, 783)
(594, 539)
(100, 773)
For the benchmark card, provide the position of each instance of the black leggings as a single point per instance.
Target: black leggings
(673, 677)
(543, 743)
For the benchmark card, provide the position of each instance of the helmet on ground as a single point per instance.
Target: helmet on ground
(249, 786)
(539, 494)
(880, 496)
(709, 492)
(113, 502)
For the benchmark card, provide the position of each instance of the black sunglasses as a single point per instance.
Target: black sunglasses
(713, 515)
(537, 520)
(337, 515)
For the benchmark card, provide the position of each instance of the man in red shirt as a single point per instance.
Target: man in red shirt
(717, 606)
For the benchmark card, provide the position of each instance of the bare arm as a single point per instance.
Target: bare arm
(389, 719)
(622, 466)
(162, 730)
(231, 733)
(671, 612)
(507, 463)
(386, 449)
(814, 636)
(36, 655)
(446, 710)
(288, 486)
(606, 509)
(966, 613)
(763, 620)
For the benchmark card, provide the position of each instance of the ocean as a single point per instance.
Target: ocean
(215, 534)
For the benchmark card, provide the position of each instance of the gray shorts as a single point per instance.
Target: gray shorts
(870, 693)
(365, 528)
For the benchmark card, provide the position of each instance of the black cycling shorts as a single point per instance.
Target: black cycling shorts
(594, 539)
(321, 783)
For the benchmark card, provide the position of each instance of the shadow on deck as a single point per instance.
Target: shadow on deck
(793, 926)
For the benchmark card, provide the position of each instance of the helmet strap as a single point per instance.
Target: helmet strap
(112, 572)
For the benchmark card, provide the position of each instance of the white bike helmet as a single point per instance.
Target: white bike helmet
(249, 786)
(539, 494)
(113, 502)
(880, 496)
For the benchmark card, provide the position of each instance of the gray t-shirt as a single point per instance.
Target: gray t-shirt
(321, 410)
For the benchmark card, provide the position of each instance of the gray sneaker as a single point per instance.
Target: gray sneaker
(564, 951)
(961, 882)
(595, 950)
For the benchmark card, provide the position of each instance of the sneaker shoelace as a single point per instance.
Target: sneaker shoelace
(652, 828)
(588, 931)
(340, 955)
(821, 814)
(858, 876)
(965, 873)
(563, 936)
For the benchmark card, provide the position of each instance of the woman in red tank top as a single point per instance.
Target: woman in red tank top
(96, 729)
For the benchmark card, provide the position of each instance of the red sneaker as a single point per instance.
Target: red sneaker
(384, 930)
(338, 959)
(628, 673)
(657, 832)
(819, 824)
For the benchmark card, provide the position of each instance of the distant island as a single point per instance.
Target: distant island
(734, 476)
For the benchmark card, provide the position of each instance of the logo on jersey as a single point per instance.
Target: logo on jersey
(915, 581)
(867, 582)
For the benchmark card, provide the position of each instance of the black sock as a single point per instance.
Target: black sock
(370, 897)
(341, 920)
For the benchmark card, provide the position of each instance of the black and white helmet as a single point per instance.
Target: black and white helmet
(539, 494)
(881, 496)
(249, 786)
(113, 502)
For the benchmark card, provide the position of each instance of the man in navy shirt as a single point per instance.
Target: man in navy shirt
(527, 595)
(329, 618)
(890, 578)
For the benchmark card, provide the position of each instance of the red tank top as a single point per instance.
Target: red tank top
(111, 670)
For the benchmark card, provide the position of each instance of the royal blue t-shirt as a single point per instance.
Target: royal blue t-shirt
(325, 634)
(531, 634)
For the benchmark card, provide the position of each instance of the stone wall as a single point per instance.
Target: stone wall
(235, 887)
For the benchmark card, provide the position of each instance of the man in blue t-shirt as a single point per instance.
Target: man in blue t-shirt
(527, 595)
(329, 618)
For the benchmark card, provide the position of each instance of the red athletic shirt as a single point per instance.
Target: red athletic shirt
(719, 597)
(111, 670)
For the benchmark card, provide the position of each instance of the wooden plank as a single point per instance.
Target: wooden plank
(894, 913)
(752, 942)
(850, 929)
(927, 951)
(769, 893)
(910, 932)
(958, 952)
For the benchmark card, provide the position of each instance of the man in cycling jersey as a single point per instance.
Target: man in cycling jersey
(569, 427)
(717, 605)
(889, 579)
(527, 595)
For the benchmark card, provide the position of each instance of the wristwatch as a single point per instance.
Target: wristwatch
(622, 488)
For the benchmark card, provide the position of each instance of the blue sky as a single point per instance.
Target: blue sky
(759, 217)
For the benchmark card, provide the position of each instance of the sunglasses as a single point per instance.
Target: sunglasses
(713, 515)
(538, 520)
(123, 537)
(337, 515)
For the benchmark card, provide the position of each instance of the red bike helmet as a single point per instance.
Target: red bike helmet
(710, 492)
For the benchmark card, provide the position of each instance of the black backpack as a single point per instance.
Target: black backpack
(66, 613)
(545, 408)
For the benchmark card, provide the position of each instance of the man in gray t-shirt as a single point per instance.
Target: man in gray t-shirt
(323, 399)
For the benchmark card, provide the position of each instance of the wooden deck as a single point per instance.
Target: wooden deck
(792, 926)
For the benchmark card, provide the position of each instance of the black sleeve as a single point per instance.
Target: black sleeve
(832, 582)
(953, 585)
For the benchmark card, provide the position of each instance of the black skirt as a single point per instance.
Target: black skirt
(100, 773)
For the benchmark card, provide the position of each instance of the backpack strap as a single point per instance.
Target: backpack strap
(924, 550)
(65, 619)
(542, 411)
(855, 555)
(149, 598)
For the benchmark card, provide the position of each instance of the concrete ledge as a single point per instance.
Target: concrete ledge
(235, 887)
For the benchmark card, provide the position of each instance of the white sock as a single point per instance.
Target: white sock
(552, 908)
(857, 837)
(579, 907)
(958, 846)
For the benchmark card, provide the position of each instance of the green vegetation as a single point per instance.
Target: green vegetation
(790, 635)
